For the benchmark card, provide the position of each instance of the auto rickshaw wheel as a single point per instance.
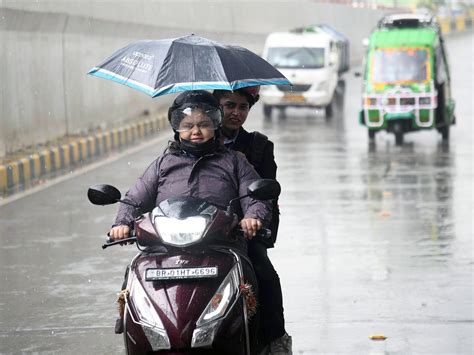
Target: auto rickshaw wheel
(445, 132)
(399, 138)
(441, 115)
(371, 133)
(441, 109)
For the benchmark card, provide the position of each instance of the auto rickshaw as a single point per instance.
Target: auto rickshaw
(406, 78)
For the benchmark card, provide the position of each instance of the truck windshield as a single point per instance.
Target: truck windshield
(296, 57)
(401, 65)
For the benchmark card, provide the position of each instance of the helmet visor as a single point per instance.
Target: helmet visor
(186, 117)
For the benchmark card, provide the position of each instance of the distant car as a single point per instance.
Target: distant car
(407, 79)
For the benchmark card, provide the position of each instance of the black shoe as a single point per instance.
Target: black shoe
(119, 326)
(281, 346)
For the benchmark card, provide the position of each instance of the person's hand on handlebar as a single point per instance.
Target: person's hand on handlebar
(119, 232)
(250, 226)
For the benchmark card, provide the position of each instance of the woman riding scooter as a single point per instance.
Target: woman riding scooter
(195, 164)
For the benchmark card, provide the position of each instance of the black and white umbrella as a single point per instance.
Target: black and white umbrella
(159, 67)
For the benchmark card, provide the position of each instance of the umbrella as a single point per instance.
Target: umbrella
(159, 67)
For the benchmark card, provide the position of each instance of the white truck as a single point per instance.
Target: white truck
(313, 59)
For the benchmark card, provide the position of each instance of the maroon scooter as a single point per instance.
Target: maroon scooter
(186, 291)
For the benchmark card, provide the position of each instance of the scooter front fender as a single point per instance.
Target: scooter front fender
(180, 302)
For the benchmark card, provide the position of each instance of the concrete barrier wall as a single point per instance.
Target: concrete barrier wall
(48, 46)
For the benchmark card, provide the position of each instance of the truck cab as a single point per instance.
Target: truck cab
(406, 78)
(311, 60)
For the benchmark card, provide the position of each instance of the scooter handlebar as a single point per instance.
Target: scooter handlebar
(264, 233)
(110, 242)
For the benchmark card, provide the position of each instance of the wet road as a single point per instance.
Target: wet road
(372, 241)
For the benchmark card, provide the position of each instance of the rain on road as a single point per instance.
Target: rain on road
(371, 240)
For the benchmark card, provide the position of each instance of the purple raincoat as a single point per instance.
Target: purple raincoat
(216, 178)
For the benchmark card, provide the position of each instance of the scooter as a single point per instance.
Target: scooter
(186, 289)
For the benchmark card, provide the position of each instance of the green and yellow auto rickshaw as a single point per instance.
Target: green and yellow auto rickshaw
(406, 79)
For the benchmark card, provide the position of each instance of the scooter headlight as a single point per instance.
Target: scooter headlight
(148, 318)
(218, 306)
(180, 232)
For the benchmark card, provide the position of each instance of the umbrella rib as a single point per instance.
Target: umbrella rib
(234, 54)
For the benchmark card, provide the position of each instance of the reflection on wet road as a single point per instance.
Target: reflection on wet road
(372, 240)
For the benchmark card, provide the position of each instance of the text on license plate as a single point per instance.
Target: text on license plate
(292, 97)
(180, 273)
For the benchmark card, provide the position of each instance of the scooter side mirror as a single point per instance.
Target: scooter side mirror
(264, 189)
(103, 195)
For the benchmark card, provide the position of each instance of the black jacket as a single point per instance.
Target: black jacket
(265, 162)
(259, 152)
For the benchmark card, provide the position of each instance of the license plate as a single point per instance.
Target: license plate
(292, 97)
(180, 273)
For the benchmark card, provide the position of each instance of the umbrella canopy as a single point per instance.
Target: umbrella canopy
(159, 67)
